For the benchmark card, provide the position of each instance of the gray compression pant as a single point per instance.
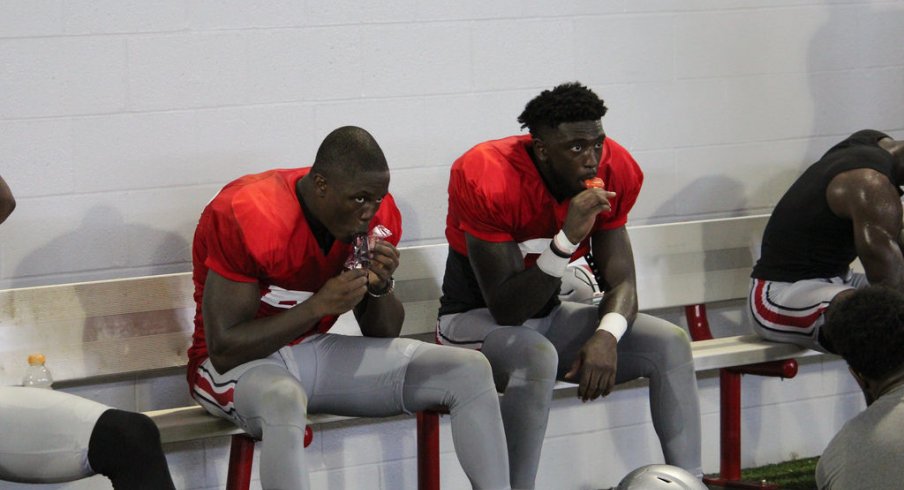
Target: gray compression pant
(44, 434)
(362, 376)
(528, 359)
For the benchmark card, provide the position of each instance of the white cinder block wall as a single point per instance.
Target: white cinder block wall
(120, 119)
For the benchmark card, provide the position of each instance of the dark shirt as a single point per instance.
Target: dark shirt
(804, 239)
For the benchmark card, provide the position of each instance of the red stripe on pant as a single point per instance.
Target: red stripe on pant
(777, 318)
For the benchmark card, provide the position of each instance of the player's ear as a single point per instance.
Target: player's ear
(539, 148)
(320, 184)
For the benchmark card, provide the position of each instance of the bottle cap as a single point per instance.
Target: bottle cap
(36, 359)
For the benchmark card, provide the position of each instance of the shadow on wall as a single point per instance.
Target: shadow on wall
(104, 246)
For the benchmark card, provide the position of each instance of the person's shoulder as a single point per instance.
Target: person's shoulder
(863, 180)
(489, 181)
(490, 167)
(266, 203)
(494, 155)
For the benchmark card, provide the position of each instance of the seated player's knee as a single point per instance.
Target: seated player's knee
(466, 375)
(268, 395)
(136, 429)
(522, 352)
(284, 402)
(477, 369)
(134, 435)
(674, 344)
(542, 363)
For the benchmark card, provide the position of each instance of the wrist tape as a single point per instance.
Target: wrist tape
(554, 260)
(614, 323)
(564, 244)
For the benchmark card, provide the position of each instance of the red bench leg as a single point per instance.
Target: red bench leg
(730, 404)
(428, 450)
(241, 456)
(730, 421)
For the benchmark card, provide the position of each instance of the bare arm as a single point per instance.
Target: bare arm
(512, 293)
(235, 337)
(381, 316)
(7, 201)
(598, 358)
(615, 262)
(870, 201)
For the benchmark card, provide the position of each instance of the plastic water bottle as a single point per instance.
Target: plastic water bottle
(36, 374)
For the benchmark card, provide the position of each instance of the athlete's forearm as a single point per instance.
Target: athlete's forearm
(258, 338)
(380, 316)
(521, 296)
(621, 299)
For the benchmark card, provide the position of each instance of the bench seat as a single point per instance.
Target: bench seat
(190, 423)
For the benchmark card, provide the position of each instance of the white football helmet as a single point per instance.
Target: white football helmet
(660, 477)
(579, 284)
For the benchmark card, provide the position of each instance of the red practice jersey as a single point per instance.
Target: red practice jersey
(255, 231)
(497, 195)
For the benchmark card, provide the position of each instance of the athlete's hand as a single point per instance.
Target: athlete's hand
(384, 260)
(582, 212)
(341, 293)
(596, 364)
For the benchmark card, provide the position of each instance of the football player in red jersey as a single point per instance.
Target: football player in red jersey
(520, 209)
(269, 257)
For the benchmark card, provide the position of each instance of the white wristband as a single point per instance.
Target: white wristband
(551, 263)
(563, 243)
(614, 323)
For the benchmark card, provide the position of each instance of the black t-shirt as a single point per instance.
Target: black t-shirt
(804, 239)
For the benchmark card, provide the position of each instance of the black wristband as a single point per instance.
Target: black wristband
(555, 250)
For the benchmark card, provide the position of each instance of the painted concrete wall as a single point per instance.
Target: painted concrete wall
(120, 119)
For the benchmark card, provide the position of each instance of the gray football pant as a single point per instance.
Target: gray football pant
(373, 377)
(528, 359)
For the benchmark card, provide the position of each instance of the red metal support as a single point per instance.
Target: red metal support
(775, 369)
(241, 457)
(697, 322)
(428, 450)
(730, 420)
(308, 435)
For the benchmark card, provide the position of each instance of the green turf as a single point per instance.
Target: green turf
(797, 474)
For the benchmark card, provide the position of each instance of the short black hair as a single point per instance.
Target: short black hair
(867, 329)
(568, 102)
(348, 150)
